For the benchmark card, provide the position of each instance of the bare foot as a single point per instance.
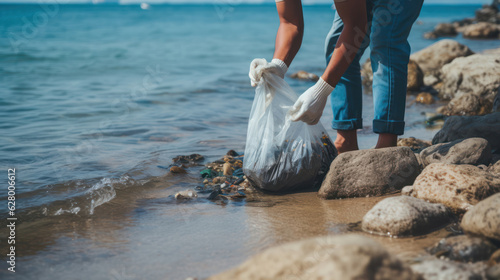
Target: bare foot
(347, 140)
(386, 140)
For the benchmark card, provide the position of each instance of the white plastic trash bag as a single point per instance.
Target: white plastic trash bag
(280, 154)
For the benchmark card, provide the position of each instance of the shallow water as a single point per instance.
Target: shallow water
(99, 98)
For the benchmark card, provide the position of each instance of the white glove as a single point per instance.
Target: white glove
(310, 105)
(260, 65)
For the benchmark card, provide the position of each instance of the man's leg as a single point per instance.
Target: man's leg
(346, 98)
(390, 53)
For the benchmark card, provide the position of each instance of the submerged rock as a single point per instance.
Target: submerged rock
(473, 151)
(346, 257)
(478, 74)
(484, 218)
(434, 269)
(416, 145)
(482, 30)
(370, 173)
(456, 186)
(464, 248)
(303, 75)
(188, 159)
(467, 104)
(432, 58)
(404, 215)
(460, 127)
(177, 170)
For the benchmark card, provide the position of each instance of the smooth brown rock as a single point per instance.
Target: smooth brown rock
(432, 58)
(456, 186)
(416, 145)
(177, 170)
(464, 248)
(303, 75)
(370, 173)
(346, 257)
(482, 30)
(467, 104)
(404, 216)
(484, 218)
(473, 151)
(460, 127)
(478, 74)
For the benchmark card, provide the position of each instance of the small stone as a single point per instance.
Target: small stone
(227, 169)
(232, 153)
(186, 195)
(219, 180)
(464, 248)
(205, 181)
(484, 218)
(177, 170)
(404, 216)
(303, 75)
(407, 190)
(424, 98)
(416, 145)
(494, 258)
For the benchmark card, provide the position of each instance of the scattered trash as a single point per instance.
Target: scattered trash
(188, 194)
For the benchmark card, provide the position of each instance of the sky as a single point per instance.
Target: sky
(228, 1)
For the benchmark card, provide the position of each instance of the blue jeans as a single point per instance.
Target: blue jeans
(389, 23)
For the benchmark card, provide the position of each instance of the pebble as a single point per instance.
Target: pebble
(205, 181)
(186, 195)
(177, 170)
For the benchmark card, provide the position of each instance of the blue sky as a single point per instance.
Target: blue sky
(232, 1)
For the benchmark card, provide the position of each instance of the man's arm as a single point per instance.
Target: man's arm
(290, 31)
(353, 15)
(310, 105)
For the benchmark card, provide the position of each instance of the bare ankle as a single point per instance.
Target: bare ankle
(347, 140)
(386, 140)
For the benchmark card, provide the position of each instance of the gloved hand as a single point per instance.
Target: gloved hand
(310, 105)
(260, 65)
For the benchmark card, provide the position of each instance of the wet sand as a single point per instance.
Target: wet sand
(150, 235)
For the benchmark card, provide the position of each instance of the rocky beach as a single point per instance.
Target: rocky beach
(445, 191)
(129, 151)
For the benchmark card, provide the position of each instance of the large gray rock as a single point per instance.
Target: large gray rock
(478, 74)
(456, 186)
(460, 127)
(482, 30)
(464, 248)
(370, 173)
(432, 58)
(467, 104)
(473, 151)
(346, 257)
(434, 269)
(404, 215)
(484, 218)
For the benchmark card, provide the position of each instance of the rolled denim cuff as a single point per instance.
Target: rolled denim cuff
(385, 126)
(347, 124)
